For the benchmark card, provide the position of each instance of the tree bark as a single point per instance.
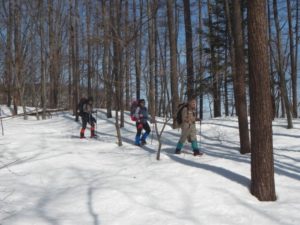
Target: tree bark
(214, 66)
(293, 62)
(8, 56)
(173, 59)
(262, 163)
(42, 68)
(280, 69)
(239, 78)
(108, 85)
(151, 8)
(189, 48)
(115, 17)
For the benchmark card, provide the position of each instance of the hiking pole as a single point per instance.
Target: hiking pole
(200, 135)
(1, 122)
(96, 121)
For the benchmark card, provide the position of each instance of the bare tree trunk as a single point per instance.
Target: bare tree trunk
(152, 9)
(89, 51)
(272, 73)
(106, 62)
(189, 48)
(8, 56)
(280, 65)
(173, 60)
(53, 61)
(74, 53)
(239, 78)
(127, 59)
(293, 62)
(262, 164)
(115, 17)
(137, 47)
(42, 68)
(213, 66)
(297, 45)
(18, 57)
(201, 66)
(226, 104)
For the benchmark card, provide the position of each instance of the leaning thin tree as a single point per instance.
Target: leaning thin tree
(262, 162)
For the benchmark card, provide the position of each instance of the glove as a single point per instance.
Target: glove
(140, 126)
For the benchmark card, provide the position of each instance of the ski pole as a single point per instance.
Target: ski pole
(200, 135)
(1, 122)
(96, 121)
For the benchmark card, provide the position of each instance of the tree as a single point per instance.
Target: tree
(173, 59)
(262, 162)
(42, 66)
(152, 10)
(214, 45)
(189, 48)
(239, 78)
(115, 18)
(293, 60)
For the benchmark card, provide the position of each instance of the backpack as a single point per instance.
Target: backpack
(179, 112)
(80, 106)
(133, 108)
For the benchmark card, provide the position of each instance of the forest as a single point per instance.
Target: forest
(237, 57)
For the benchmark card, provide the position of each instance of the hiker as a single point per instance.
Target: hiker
(141, 115)
(86, 110)
(188, 127)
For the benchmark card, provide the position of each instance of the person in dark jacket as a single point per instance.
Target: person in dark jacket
(141, 114)
(87, 117)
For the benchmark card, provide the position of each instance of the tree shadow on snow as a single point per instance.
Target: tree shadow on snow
(232, 176)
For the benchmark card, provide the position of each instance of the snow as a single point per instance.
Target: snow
(47, 176)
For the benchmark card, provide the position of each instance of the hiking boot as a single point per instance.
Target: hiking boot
(197, 152)
(82, 133)
(177, 151)
(143, 142)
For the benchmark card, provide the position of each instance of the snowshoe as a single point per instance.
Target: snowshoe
(197, 153)
(177, 151)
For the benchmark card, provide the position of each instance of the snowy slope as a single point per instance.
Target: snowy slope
(53, 178)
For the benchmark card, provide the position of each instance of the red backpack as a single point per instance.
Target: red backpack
(133, 108)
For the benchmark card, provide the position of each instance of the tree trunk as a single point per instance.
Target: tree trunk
(189, 48)
(293, 62)
(137, 47)
(201, 66)
(106, 62)
(42, 68)
(152, 9)
(173, 60)
(89, 51)
(127, 59)
(272, 73)
(280, 65)
(214, 66)
(262, 164)
(115, 17)
(19, 87)
(8, 56)
(297, 46)
(239, 78)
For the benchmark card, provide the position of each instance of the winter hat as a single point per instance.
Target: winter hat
(141, 100)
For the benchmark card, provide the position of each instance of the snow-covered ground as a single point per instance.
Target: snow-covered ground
(49, 176)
